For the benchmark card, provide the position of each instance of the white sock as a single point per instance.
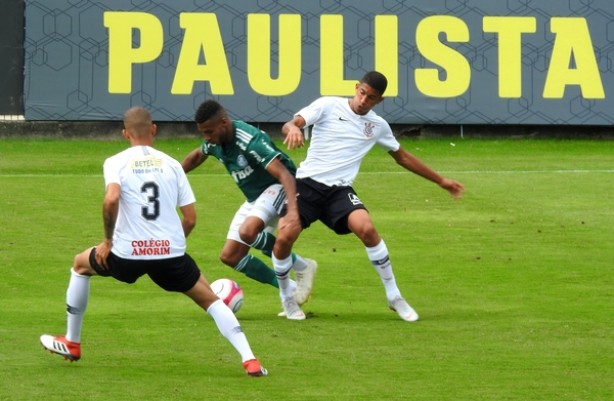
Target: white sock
(77, 295)
(282, 271)
(380, 259)
(230, 328)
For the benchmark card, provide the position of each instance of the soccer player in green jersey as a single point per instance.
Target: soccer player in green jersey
(265, 175)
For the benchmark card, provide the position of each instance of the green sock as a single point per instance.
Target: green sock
(257, 270)
(264, 242)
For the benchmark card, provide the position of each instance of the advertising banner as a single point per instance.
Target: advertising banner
(447, 61)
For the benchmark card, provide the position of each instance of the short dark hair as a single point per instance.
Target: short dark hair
(206, 110)
(376, 80)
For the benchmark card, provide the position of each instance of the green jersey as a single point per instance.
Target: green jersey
(247, 158)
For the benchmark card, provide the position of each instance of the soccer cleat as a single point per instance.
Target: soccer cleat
(402, 308)
(61, 346)
(304, 282)
(254, 369)
(292, 310)
(292, 286)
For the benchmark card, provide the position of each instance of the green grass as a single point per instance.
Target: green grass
(513, 284)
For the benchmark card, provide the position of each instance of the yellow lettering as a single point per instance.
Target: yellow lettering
(259, 54)
(331, 58)
(572, 42)
(510, 30)
(454, 64)
(202, 36)
(121, 53)
(387, 51)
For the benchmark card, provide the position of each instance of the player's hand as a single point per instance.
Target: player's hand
(294, 139)
(102, 253)
(290, 225)
(455, 188)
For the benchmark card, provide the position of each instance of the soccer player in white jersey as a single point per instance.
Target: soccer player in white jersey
(264, 174)
(144, 234)
(343, 132)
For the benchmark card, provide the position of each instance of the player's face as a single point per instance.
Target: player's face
(364, 99)
(216, 130)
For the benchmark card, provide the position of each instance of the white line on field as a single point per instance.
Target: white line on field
(447, 172)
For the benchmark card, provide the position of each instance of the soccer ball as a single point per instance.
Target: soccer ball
(228, 291)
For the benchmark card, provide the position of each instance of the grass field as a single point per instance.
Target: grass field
(513, 284)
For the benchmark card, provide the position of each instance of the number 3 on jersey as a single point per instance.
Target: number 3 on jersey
(152, 210)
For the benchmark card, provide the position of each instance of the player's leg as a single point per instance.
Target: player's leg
(226, 323)
(346, 213)
(77, 296)
(235, 252)
(359, 222)
(282, 263)
(310, 206)
(236, 255)
(257, 231)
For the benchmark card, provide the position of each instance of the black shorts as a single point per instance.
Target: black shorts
(175, 274)
(330, 205)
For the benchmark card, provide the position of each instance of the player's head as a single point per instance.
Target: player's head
(369, 92)
(213, 122)
(138, 123)
(376, 80)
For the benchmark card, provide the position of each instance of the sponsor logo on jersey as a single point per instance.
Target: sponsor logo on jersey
(343, 119)
(146, 162)
(146, 165)
(242, 174)
(151, 247)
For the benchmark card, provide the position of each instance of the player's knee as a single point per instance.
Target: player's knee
(229, 258)
(248, 235)
(367, 234)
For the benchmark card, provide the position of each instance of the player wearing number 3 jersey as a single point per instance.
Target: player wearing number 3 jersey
(144, 235)
(148, 179)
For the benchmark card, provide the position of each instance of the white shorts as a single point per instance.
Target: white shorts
(267, 208)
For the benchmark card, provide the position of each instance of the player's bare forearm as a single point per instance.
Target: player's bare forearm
(277, 169)
(108, 219)
(110, 209)
(416, 166)
(194, 159)
(413, 164)
(188, 219)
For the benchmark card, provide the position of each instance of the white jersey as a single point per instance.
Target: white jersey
(153, 185)
(340, 139)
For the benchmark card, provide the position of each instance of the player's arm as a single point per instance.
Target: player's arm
(194, 159)
(277, 169)
(413, 164)
(293, 132)
(110, 209)
(188, 218)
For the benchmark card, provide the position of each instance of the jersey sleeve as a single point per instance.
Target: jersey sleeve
(185, 195)
(260, 150)
(387, 139)
(313, 112)
(111, 169)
